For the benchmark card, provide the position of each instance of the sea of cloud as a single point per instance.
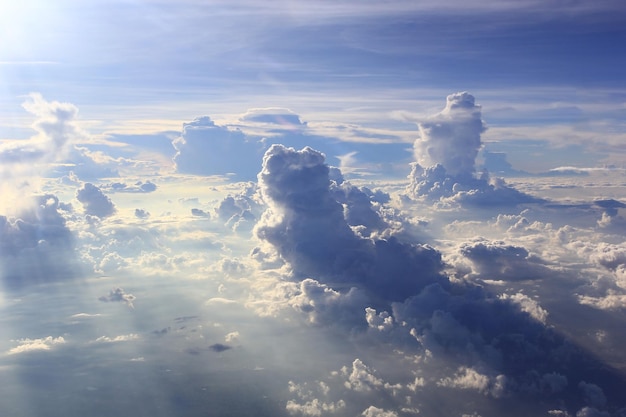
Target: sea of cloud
(250, 275)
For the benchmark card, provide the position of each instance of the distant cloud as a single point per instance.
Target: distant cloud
(137, 187)
(446, 154)
(220, 347)
(282, 119)
(118, 295)
(451, 138)
(117, 339)
(33, 345)
(95, 202)
(204, 148)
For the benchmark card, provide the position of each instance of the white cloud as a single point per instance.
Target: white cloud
(372, 411)
(452, 137)
(468, 378)
(32, 345)
(117, 339)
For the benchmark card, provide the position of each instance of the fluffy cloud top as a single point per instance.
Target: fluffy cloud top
(451, 138)
(307, 226)
(31, 345)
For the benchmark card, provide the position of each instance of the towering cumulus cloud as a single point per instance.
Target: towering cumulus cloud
(452, 137)
(306, 224)
(446, 156)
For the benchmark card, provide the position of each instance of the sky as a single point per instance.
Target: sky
(331, 208)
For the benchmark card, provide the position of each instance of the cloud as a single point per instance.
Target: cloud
(220, 347)
(204, 148)
(33, 345)
(451, 138)
(56, 127)
(36, 246)
(117, 295)
(468, 378)
(499, 261)
(275, 117)
(94, 201)
(372, 411)
(305, 224)
(117, 339)
(446, 152)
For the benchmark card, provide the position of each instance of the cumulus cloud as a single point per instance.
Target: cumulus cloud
(373, 411)
(446, 153)
(306, 224)
(204, 148)
(36, 246)
(118, 295)
(451, 138)
(468, 378)
(499, 261)
(360, 377)
(32, 345)
(94, 201)
(56, 127)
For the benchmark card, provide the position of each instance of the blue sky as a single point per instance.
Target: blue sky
(144, 67)
(331, 208)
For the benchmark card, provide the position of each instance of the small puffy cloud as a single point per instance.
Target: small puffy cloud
(361, 377)
(314, 408)
(31, 345)
(232, 337)
(381, 322)
(94, 201)
(118, 295)
(141, 214)
(468, 378)
(372, 411)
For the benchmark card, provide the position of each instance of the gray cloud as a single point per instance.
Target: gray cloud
(94, 201)
(204, 148)
(36, 246)
(118, 295)
(306, 225)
